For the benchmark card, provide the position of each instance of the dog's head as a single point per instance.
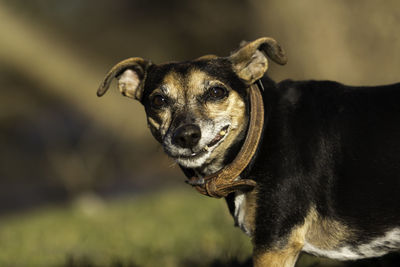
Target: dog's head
(196, 109)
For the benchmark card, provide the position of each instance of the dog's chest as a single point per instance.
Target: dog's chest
(244, 211)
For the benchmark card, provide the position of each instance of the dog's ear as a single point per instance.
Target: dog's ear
(206, 57)
(131, 74)
(250, 60)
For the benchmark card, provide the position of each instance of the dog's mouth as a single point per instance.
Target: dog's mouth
(211, 145)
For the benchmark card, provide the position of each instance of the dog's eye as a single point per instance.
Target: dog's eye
(158, 101)
(217, 92)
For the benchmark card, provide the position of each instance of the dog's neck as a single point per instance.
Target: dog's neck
(210, 168)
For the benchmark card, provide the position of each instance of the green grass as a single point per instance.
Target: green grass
(169, 228)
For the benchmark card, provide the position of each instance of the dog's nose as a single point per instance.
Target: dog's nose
(187, 136)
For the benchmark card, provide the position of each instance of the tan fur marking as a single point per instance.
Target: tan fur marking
(197, 80)
(277, 258)
(325, 233)
(287, 256)
(153, 123)
(320, 232)
(165, 118)
(235, 107)
(250, 207)
(206, 57)
(175, 85)
(166, 121)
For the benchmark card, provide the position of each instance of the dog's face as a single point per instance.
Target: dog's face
(196, 109)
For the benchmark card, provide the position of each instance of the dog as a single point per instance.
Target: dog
(326, 168)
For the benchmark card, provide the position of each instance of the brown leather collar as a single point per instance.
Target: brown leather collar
(227, 180)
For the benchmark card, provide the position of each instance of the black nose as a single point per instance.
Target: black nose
(187, 136)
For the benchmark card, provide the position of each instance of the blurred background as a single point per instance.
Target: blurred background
(82, 182)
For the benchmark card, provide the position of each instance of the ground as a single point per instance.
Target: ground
(176, 227)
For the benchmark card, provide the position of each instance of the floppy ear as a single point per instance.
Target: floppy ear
(131, 74)
(250, 60)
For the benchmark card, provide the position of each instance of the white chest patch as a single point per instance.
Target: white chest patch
(390, 241)
(240, 212)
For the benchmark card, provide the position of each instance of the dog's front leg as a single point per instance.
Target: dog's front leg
(277, 258)
(284, 252)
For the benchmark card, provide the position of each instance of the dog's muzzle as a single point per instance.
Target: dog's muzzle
(187, 136)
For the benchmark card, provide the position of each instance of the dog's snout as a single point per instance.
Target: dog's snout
(187, 136)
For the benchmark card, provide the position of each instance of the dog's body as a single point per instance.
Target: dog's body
(328, 164)
(329, 169)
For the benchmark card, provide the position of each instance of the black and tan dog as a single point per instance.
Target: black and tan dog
(327, 167)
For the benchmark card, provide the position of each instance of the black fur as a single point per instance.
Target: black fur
(333, 146)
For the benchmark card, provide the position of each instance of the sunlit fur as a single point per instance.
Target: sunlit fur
(187, 95)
